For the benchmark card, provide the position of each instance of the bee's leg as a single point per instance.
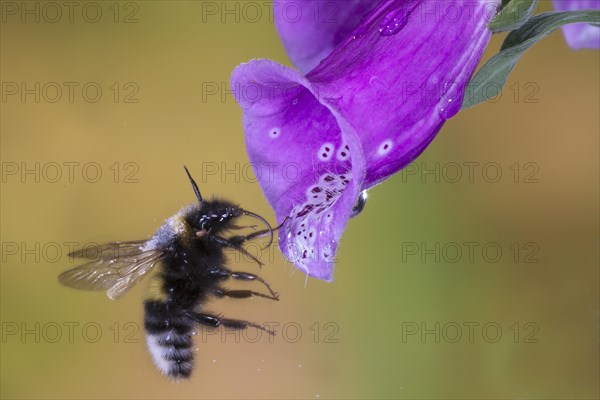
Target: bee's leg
(216, 321)
(241, 294)
(240, 239)
(233, 244)
(250, 236)
(253, 227)
(246, 276)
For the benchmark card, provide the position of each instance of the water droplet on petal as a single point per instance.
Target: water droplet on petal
(449, 107)
(450, 103)
(360, 204)
(395, 20)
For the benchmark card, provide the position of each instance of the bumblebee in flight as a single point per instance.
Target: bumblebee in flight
(187, 254)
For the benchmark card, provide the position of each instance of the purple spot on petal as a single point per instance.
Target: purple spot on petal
(324, 151)
(274, 133)
(385, 147)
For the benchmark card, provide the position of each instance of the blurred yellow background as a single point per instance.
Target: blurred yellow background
(407, 315)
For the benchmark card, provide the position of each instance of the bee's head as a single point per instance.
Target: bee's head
(215, 216)
(212, 217)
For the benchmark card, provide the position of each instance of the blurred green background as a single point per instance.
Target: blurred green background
(389, 324)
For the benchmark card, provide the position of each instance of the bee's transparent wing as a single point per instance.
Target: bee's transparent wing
(115, 269)
(109, 250)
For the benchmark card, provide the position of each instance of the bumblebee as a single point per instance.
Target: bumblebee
(187, 254)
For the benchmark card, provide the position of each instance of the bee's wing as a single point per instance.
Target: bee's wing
(116, 270)
(109, 250)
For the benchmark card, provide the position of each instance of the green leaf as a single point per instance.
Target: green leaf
(490, 79)
(513, 15)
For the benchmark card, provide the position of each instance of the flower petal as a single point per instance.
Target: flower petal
(405, 76)
(310, 30)
(580, 36)
(304, 150)
(384, 94)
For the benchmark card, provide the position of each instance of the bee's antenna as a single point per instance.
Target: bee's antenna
(196, 190)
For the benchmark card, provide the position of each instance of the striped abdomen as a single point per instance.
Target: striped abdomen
(169, 338)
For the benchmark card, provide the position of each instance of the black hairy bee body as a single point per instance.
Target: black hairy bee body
(188, 258)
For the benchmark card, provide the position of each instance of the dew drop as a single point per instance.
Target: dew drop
(450, 103)
(448, 108)
(395, 20)
(359, 206)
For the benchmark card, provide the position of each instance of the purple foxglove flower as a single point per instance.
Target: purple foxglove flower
(366, 111)
(311, 29)
(580, 36)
